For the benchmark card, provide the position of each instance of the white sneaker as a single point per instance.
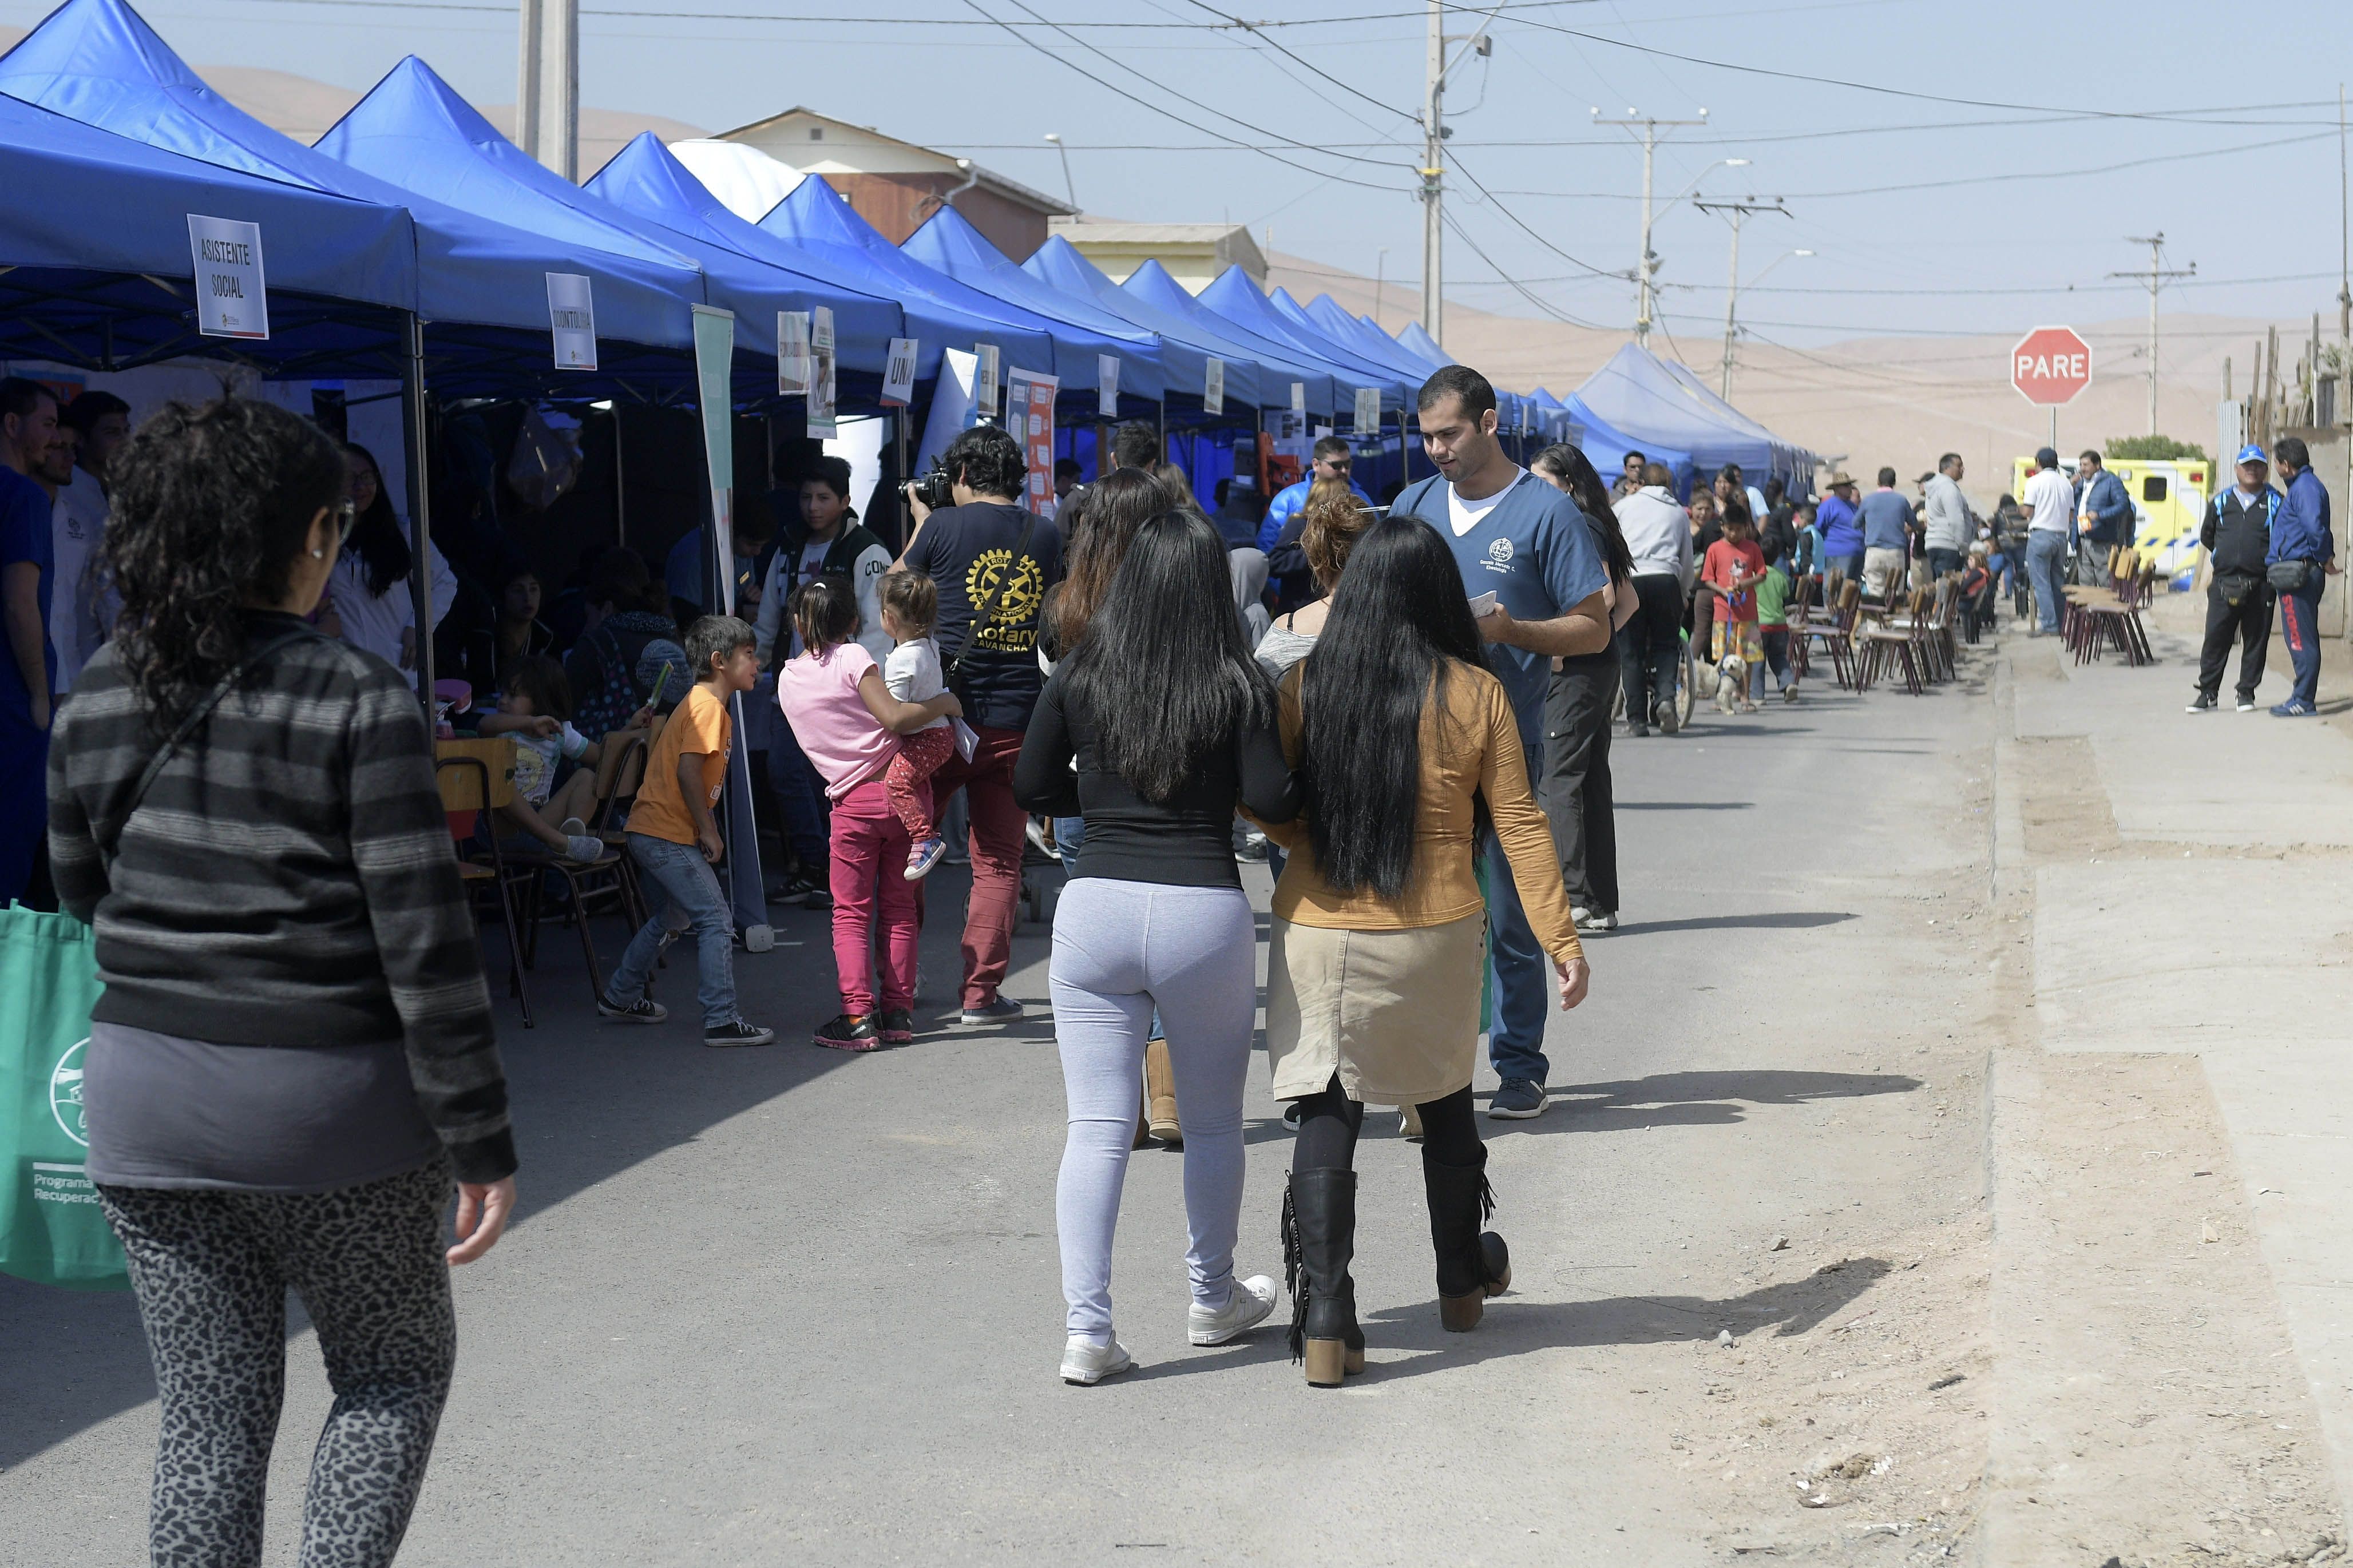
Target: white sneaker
(572, 827)
(1245, 1308)
(584, 848)
(1595, 922)
(1085, 1364)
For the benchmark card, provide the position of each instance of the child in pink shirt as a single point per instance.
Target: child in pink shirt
(849, 725)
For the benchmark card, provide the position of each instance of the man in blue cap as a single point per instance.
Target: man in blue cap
(2237, 534)
(2303, 553)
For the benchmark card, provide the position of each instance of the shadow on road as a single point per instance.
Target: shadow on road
(1694, 1098)
(1685, 806)
(1777, 920)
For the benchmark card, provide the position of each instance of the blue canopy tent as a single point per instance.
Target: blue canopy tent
(820, 226)
(1606, 446)
(1233, 295)
(1280, 307)
(1082, 329)
(413, 131)
(1421, 344)
(98, 62)
(94, 248)
(1636, 394)
(1794, 464)
(1059, 266)
(1325, 314)
(645, 180)
(1153, 285)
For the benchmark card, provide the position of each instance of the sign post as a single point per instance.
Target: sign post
(2051, 366)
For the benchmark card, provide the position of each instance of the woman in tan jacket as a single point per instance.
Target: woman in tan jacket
(1407, 750)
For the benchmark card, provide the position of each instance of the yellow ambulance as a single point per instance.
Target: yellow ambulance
(2169, 497)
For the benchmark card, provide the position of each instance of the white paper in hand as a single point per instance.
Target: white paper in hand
(1482, 606)
(967, 740)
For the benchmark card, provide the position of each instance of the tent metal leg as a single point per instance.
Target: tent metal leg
(420, 528)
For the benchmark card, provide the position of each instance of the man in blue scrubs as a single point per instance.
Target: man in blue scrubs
(1524, 541)
(28, 661)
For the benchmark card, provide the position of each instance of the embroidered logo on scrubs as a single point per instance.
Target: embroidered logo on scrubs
(65, 1092)
(1500, 552)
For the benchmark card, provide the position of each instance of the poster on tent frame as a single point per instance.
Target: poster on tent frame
(821, 388)
(1029, 418)
(572, 318)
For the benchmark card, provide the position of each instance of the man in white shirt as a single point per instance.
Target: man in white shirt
(1659, 536)
(2049, 500)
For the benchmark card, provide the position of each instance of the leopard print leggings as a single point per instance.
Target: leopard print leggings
(211, 1270)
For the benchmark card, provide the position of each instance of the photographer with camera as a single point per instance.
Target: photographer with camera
(992, 562)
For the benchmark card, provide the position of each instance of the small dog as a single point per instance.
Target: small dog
(1731, 682)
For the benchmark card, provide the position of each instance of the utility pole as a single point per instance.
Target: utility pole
(2157, 277)
(1647, 267)
(1740, 210)
(547, 84)
(1434, 133)
(1380, 280)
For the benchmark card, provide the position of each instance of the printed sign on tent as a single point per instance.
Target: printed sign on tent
(572, 316)
(821, 388)
(1107, 385)
(1299, 398)
(1029, 417)
(1368, 411)
(230, 299)
(986, 383)
(792, 354)
(1213, 388)
(899, 373)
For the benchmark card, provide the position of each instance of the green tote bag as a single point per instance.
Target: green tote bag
(51, 1230)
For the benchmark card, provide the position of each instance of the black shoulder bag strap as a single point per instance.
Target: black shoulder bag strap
(196, 716)
(954, 673)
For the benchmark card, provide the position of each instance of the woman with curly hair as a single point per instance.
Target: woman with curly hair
(293, 1057)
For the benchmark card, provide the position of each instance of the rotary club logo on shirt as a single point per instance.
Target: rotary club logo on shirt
(1012, 623)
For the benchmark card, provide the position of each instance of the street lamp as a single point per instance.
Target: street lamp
(1067, 183)
(1732, 301)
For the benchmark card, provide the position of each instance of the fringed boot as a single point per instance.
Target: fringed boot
(1472, 1264)
(1319, 1240)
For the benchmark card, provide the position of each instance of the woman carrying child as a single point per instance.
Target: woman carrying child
(841, 706)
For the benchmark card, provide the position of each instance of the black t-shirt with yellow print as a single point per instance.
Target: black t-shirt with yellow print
(967, 551)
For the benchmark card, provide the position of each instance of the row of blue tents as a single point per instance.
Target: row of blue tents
(414, 209)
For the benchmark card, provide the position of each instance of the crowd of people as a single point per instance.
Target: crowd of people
(1412, 705)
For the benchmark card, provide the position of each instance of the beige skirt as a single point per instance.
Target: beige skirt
(1393, 1012)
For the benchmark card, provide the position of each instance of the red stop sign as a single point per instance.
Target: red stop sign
(2050, 365)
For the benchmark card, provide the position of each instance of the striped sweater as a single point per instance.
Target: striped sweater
(289, 879)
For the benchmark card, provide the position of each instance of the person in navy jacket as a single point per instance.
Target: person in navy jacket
(2300, 535)
(1515, 536)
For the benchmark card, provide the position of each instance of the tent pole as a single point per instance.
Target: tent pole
(620, 485)
(420, 529)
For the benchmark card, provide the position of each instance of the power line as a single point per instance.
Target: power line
(1252, 29)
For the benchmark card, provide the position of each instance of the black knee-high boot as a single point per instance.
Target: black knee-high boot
(1472, 1264)
(1319, 1240)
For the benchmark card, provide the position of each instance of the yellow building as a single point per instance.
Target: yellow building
(2169, 497)
(1194, 253)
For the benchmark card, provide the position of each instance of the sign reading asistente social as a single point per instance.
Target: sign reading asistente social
(899, 373)
(572, 316)
(230, 299)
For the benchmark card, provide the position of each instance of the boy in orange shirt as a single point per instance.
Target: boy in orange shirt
(675, 842)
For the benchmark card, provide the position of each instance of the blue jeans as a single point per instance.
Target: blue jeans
(801, 797)
(2003, 570)
(1516, 1031)
(1070, 832)
(683, 892)
(2299, 611)
(2046, 568)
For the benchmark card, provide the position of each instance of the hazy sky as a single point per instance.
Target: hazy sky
(1927, 217)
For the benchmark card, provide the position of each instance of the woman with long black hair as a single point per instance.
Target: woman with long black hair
(1171, 723)
(1406, 752)
(370, 588)
(1576, 789)
(293, 1055)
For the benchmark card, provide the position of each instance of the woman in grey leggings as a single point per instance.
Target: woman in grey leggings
(1171, 723)
(292, 1063)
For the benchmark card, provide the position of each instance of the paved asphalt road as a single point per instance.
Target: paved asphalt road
(794, 1307)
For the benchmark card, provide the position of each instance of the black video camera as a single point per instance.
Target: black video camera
(935, 488)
